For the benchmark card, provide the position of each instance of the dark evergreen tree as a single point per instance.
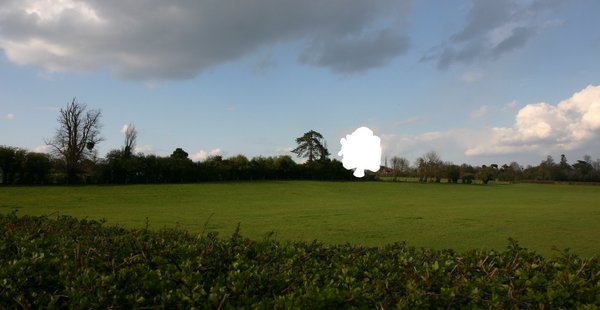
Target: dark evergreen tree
(311, 145)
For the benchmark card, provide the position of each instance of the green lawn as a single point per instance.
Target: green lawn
(369, 213)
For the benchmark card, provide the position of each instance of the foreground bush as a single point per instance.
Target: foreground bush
(65, 262)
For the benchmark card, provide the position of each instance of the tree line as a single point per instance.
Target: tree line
(18, 166)
(430, 168)
(74, 160)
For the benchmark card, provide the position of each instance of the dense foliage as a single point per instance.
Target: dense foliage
(430, 168)
(18, 166)
(66, 262)
(75, 161)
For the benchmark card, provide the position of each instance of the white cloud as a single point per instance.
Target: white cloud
(407, 122)
(542, 127)
(124, 128)
(49, 10)
(9, 116)
(480, 112)
(284, 150)
(146, 148)
(472, 76)
(510, 105)
(157, 40)
(451, 142)
(202, 154)
(42, 149)
(571, 126)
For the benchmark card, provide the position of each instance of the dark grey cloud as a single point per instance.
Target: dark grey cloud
(483, 17)
(516, 39)
(492, 28)
(157, 39)
(356, 54)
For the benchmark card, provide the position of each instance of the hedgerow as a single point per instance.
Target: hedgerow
(71, 263)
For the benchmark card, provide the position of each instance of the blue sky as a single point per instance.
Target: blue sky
(478, 82)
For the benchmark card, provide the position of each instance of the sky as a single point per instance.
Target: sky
(478, 82)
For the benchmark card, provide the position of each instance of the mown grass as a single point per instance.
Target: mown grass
(366, 213)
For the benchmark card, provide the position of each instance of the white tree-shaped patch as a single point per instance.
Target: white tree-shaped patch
(361, 150)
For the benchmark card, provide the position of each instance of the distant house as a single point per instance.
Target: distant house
(385, 171)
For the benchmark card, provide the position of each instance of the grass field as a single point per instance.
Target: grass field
(368, 213)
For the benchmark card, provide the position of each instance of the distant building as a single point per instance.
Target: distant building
(385, 171)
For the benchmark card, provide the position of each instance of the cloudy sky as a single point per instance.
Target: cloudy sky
(476, 81)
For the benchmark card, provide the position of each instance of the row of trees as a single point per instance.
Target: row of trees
(18, 166)
(119, 167)
(430, 168)
(73, 159)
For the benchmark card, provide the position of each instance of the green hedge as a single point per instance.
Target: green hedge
(71, 263)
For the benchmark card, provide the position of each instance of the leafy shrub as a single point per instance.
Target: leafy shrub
(71, 263)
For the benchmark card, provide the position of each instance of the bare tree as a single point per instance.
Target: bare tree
(130, 140)
(400, 166)
(77, 134)
(434, 166)
(429, 167)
